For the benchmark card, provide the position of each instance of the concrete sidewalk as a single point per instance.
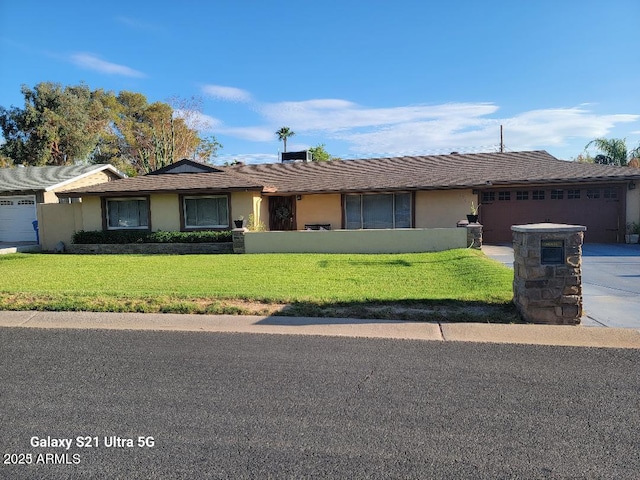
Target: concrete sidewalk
(579, 336)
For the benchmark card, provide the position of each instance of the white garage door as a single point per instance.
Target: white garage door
(17, 214)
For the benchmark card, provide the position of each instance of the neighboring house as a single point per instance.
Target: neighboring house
(22, 188)
(386, 193)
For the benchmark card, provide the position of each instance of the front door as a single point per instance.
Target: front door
(282, 213)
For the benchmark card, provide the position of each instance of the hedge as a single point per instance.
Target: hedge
(137, 236)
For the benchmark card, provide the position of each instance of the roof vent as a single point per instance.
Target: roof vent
(454, 153)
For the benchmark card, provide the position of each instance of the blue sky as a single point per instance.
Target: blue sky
(365, 78)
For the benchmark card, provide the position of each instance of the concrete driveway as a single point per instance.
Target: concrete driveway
(610, 282)
(18, 247)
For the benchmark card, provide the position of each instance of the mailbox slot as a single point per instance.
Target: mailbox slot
(552, 252)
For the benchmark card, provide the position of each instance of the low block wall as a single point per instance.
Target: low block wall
(150, 248)
(356, 241)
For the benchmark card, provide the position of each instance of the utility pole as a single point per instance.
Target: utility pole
(501, 141)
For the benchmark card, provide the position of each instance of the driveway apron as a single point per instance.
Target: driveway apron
(610, 282)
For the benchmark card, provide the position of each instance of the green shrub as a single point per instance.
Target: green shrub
(140, 236)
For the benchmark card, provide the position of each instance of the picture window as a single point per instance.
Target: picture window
(123, 213)
(385, 210)
(206, 211)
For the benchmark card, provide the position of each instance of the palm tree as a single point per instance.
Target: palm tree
(283, 134)
(613, 151)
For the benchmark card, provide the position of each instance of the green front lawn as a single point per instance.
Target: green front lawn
(252, 283)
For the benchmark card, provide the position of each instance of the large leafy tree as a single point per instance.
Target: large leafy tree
(320, 154)
(150, 136)
(283, 134)
(612, 151)
(56, 126)
(60, 125)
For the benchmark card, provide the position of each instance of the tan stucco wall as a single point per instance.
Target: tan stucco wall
(319, 209)
(633, 205)
(243, 204)
(443, 208)
(165, 212)
(91, 214)
(356, 241)
(57, 222)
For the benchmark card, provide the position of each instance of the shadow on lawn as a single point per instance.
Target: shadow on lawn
(412, 310)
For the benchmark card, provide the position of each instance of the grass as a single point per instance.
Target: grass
(384, 286)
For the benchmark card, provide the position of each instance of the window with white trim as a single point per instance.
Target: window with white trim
(378, 210)
(125, 213)
(206, 211)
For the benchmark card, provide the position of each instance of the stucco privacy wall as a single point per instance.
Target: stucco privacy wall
(57, 222)
(443, 208)
(319, 209)
(356, 241)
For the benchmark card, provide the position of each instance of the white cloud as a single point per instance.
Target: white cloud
(334, 115)
(469, 129)
(232, 94)
(421, 129)
(92, 62)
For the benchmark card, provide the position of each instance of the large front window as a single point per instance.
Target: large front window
(127, 213)
(206, 212)
(383, 210)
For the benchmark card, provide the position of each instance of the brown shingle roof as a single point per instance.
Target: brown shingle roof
(381, 174)
(220, 181)
(431, 172)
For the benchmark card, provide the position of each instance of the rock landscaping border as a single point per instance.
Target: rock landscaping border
(150, 248)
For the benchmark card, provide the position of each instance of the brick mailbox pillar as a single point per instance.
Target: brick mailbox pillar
(547, 277)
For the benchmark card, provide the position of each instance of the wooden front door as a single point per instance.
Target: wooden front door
(282, 213)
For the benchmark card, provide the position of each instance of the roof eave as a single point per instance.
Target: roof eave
(132, 193)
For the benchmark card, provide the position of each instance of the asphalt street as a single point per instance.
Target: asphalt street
(223, 405)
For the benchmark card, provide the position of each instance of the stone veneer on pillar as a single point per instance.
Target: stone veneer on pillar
(547, 277)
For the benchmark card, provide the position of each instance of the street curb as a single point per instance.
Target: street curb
(576, 336)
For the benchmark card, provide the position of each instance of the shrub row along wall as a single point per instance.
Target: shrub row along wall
(352, 241)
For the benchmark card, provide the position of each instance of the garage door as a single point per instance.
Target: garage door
(598, 207)
(17, 214)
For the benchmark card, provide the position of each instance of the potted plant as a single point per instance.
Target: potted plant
(473, 217)
(633, 232)
(238, 221)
